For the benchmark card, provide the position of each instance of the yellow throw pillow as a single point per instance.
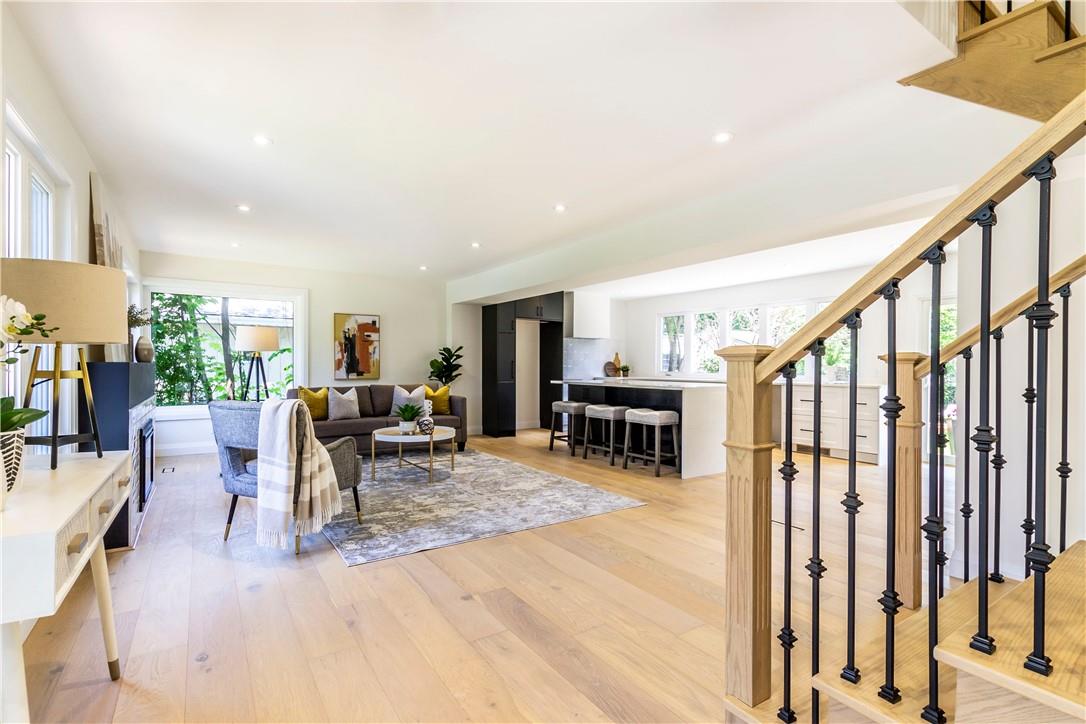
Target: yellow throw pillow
(316, 401)
(440, 398)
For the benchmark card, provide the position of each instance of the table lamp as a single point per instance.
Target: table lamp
(88, 303)
(256, 340)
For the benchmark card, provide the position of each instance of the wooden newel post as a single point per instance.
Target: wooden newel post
(910, 429)
(747, 544)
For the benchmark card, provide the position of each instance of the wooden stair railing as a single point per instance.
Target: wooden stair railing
(751, 371)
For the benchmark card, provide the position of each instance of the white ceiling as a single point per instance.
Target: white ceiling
(403, 132)
(865, 248)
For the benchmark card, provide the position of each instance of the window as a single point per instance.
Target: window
(783, 320)
(11, 202)
(672, 342)
(706, 342)
(193, 335)
(40, 218)
(744, 325)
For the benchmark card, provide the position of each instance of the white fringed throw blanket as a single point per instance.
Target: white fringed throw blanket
(278, 460)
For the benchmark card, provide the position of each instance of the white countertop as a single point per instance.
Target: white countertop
(642, 384)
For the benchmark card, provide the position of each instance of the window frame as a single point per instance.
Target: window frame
(297, 296)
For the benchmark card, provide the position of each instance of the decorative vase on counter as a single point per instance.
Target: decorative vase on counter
(12, 446)
(145, 351)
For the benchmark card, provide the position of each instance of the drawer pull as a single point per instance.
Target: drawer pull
(803, 399)
(805, 429)
(861, 435)
(105, 507)
(861, 403)
(77, 544)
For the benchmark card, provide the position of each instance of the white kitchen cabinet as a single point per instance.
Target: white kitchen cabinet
(834, 430)
(588, 315)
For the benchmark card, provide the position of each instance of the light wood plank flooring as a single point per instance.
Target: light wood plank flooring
(615, 617)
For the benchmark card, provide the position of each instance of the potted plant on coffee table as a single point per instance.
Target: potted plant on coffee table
(409, 415)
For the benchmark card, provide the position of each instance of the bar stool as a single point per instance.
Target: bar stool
(656, 419)
(573, 410)
(603, 413)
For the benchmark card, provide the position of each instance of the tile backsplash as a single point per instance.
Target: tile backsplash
(583, 358)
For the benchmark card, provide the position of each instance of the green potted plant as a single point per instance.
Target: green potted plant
(446, 368)
(409, 414)
(16, 323)
(624, 370)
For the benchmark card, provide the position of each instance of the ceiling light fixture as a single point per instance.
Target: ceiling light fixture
(261, 140)
(721, 137)
(475, 245)
(234, 245)
(243, 208)
(422, 268)
(559, 208)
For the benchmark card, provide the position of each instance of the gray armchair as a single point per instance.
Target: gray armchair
(237, 424)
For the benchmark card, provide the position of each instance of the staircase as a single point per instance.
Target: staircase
(990, 649)
(1030, 61)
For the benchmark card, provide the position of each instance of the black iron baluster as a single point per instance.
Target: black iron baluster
(940, 555)
(983, 11)
(1066, 19)
(967, 507)
(933, 523)
(815, 567)
(998, 461)
(1064, 468)
(892, 408)
(983, 438)
(787, 637)
(1030, 396)
(851, 501)
(1041, 316)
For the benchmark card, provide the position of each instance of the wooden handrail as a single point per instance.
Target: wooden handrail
(1057, 135)
(1069, 274)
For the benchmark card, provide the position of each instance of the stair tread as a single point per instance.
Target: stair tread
(1012, 627)
(1067, 46)
(1002, 19)
(956, 609)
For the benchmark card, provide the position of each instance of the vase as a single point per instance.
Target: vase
(145, 351)
(12, 445)
(426, 425)
(408, 427)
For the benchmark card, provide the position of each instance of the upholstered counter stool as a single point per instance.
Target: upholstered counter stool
(572, 410)
(608, 415)
(656, 419)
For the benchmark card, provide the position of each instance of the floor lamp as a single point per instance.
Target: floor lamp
(88, 304)
(256, 340)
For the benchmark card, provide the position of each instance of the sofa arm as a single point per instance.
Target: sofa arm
(458, 406)
(344, 454)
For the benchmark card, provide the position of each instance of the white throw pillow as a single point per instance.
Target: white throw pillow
(401, 396)
(343, 406)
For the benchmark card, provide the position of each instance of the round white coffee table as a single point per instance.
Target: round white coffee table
(393, 434)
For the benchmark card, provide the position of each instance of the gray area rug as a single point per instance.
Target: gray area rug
(486, 496)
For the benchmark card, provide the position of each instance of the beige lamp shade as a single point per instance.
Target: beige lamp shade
(89, 303)
(256, 339)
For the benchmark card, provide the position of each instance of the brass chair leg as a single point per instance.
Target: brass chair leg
(297, 544)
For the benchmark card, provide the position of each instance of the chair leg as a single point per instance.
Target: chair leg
(357, 504)
(644, 445)
(230, 517)
(656, 458)
(554, 415)
(571, 433)
(678, 450)
(611, 443)
(626, 447)
(297, 544)
(587, 438)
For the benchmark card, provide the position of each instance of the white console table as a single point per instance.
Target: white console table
(51, 526)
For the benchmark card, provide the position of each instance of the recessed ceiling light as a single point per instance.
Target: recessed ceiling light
(475, 245)
(234, 245)
(422, 268)
(559, 208)
(261, 140)
(721, 137)
(243, 208)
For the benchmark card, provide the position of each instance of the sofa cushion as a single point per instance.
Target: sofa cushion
(447, 420)
(381, 395)
(343, 405)
(342, 428)
(365, 402)
(403, 396)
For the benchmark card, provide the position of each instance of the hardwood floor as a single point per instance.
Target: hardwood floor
(615, 617)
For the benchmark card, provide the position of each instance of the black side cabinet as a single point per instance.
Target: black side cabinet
(500, 369)
(547, 307)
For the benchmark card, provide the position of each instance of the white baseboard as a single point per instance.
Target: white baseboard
(195, 448)
(528, 425)
(475, 429)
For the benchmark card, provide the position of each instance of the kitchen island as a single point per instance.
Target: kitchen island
(700, 404)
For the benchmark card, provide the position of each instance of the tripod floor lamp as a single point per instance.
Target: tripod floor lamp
(256, 340)
(88, 304)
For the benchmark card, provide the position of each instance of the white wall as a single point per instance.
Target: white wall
(1014, 271)
(527, 374)
(640, 314)
(465, 328)
(412, 322)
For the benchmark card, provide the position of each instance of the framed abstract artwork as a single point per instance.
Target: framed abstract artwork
(357, 351)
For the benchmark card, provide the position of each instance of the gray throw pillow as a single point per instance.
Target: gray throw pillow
(401, 396)
(342, 406)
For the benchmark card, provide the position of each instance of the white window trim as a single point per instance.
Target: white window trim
(299, 297)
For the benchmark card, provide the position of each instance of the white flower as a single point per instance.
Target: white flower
(14, 316)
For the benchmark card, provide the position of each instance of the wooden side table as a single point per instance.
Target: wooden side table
(51, 527)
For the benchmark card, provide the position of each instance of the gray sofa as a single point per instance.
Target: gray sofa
(375, 407)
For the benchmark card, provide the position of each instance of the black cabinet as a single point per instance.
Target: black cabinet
(530, 308)
(552, 306)
(506, 319)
